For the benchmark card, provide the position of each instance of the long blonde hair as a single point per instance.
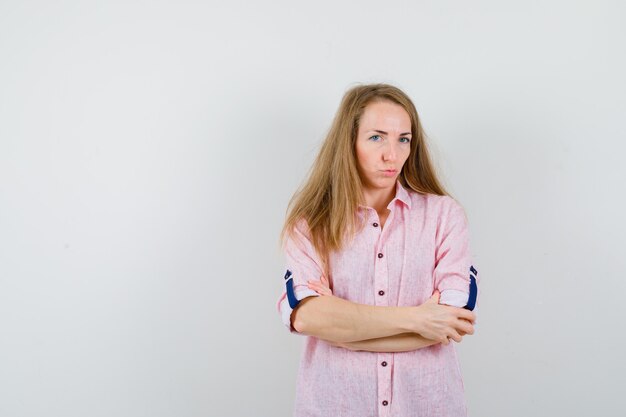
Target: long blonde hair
(329, 198)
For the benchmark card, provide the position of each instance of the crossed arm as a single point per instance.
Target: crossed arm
(376, 328)
(402, 342)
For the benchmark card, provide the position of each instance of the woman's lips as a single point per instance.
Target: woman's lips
(389, 172)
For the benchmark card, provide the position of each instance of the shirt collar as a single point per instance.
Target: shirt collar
(401, 195)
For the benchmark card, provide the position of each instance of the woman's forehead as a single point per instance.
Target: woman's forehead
(385, 116)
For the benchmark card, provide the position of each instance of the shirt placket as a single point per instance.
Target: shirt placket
(384, 362)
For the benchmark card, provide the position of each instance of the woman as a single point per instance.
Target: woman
(379, 273)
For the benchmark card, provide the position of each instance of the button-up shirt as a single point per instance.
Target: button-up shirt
(423, 246)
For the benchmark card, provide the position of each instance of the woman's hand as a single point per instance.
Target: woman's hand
(443, 323)
(322, 286)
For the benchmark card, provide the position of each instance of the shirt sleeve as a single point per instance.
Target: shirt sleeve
(302, 263)
(455, 276)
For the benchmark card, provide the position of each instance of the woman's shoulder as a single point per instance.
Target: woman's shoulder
(300, 228)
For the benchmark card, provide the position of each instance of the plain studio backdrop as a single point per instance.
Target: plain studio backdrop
(148, 150)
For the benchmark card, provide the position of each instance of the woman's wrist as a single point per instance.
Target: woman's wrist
(412, 319)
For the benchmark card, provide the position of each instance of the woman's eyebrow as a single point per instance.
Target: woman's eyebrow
(384, 133)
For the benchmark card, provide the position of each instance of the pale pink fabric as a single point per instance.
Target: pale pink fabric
(425, 245)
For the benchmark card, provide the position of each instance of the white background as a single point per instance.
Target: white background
(148, 150)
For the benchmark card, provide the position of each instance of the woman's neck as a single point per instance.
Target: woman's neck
(379, 198)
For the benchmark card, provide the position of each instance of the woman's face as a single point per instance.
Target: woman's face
(382, 143)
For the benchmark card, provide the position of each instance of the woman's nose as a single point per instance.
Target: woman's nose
(389, 153)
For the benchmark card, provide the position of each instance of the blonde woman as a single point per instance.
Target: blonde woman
(379, 276)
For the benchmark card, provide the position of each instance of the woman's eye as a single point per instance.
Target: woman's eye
(375, 136)
(405, 140)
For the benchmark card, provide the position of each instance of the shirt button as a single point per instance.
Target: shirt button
(375, 224)
(381, 292)
(385, 402)
(380, 255)
(384, 363)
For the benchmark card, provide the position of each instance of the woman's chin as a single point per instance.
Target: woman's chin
(382, 182)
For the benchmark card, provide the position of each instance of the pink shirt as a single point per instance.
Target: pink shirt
(424, 245)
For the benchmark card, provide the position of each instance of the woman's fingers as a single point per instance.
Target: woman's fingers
(465, 326)
(467, 315)
(320, 291)
(316, 284)
(319, 287)
(444, 323)
(462, 328)
(455, 336)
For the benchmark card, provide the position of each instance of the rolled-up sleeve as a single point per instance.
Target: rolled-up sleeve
(455, 276)
(302, 263)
